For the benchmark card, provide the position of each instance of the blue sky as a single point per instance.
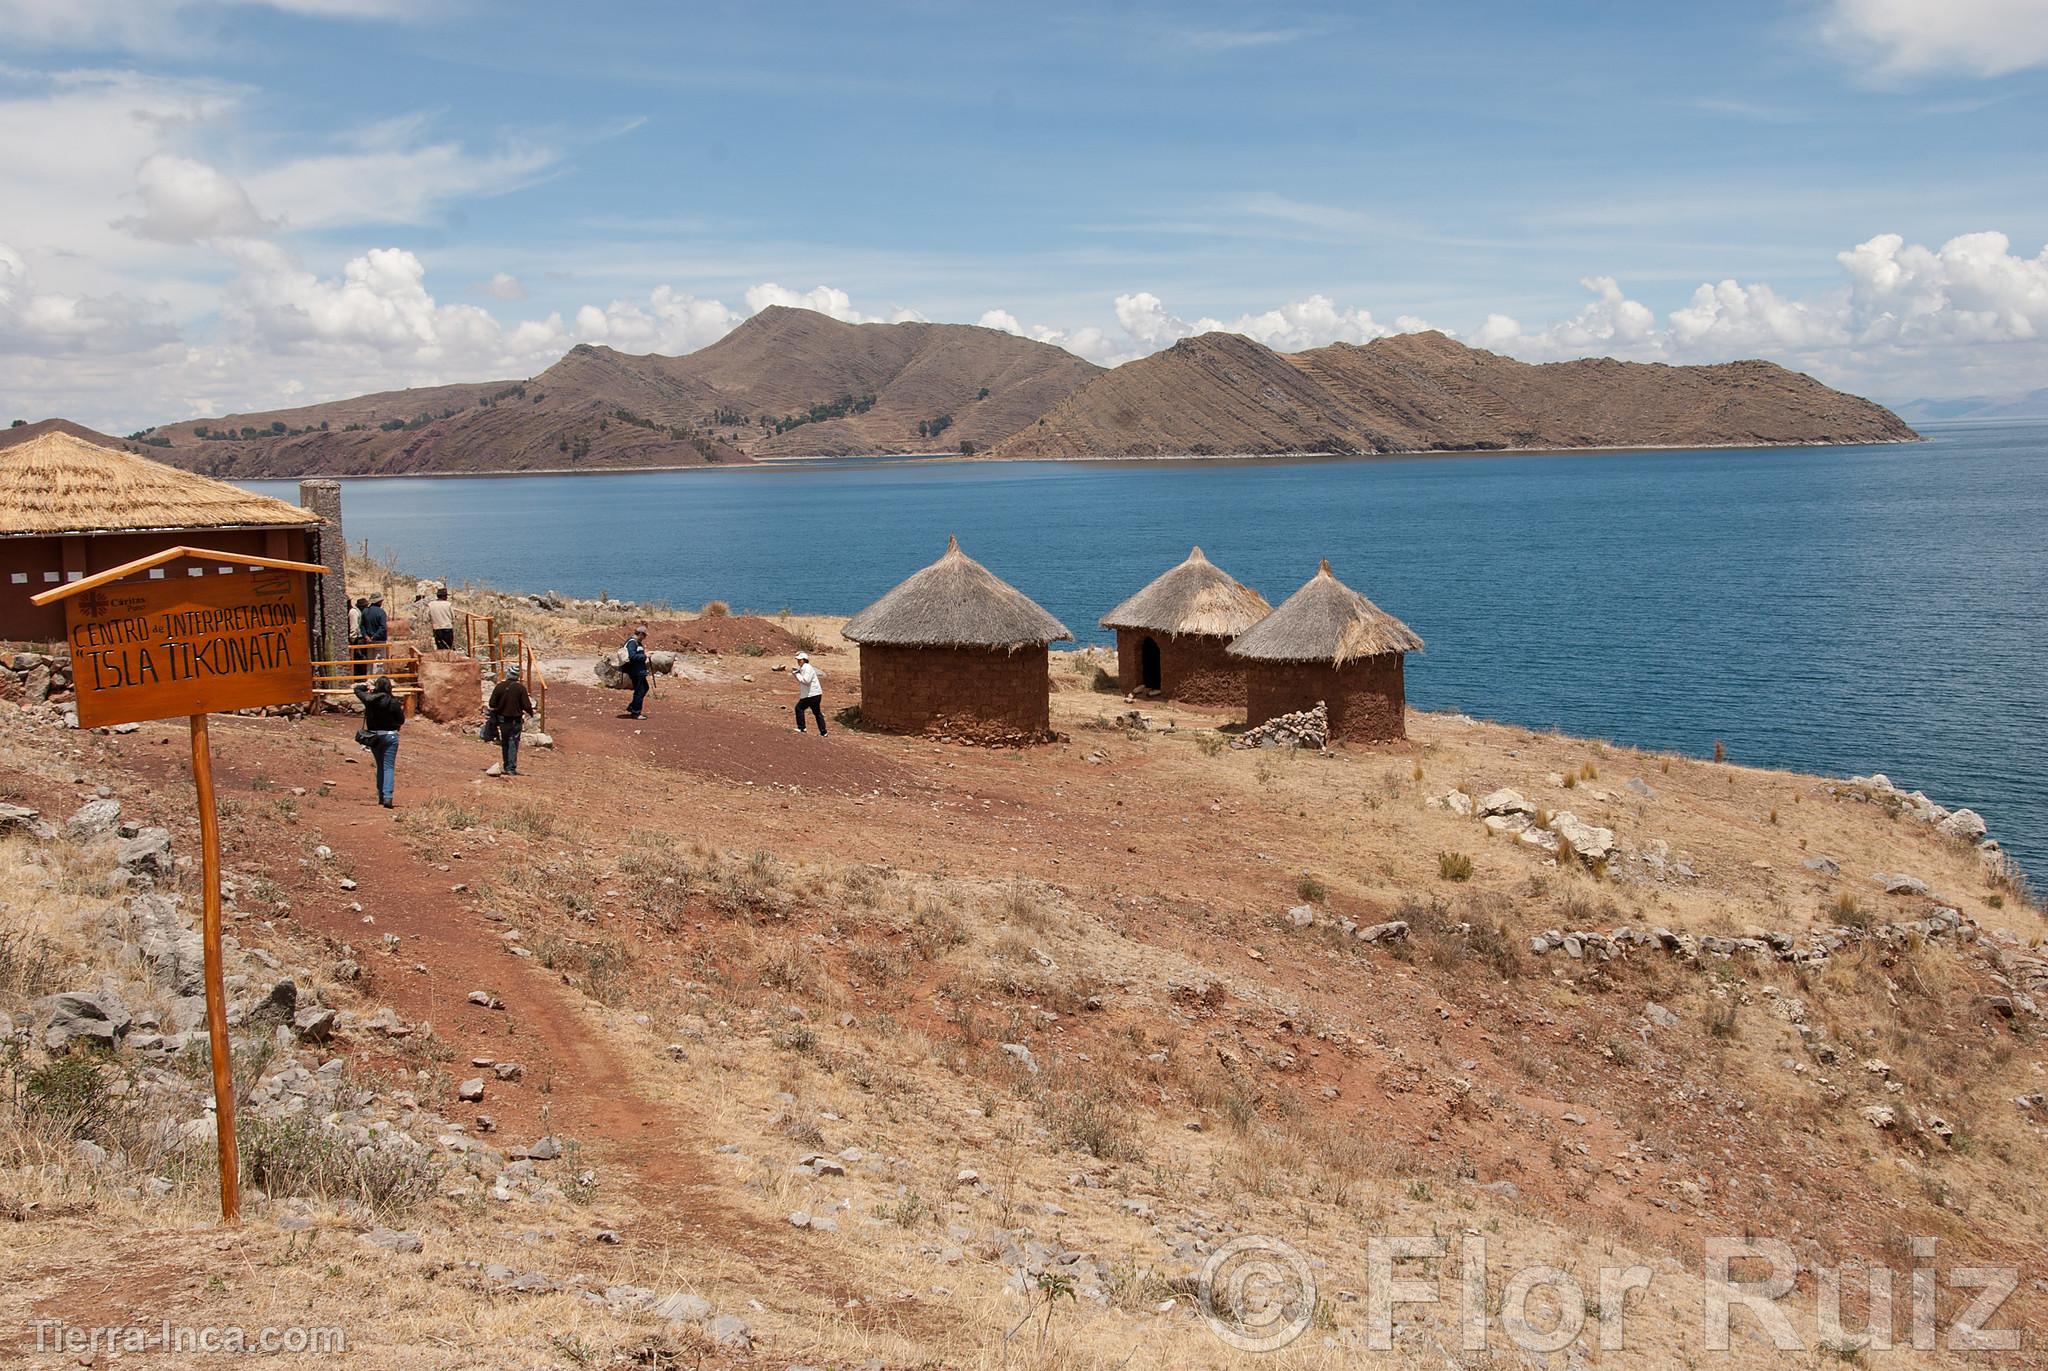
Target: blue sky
(208, 205)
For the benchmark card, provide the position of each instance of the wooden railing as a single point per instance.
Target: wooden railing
(339, 679)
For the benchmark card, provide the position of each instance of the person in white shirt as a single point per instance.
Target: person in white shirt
(810, 691)
(441, 618)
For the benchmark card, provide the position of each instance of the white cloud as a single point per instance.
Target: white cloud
(1909, 37)
(53, 322)
(1001, 319)
(184, 201)
(503, 285)
(823, 299)
(388, 175)
(152, 25)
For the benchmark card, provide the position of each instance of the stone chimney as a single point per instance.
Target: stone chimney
(331, 625)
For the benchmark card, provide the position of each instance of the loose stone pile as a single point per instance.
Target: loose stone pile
(1304, 728)
(33, 678)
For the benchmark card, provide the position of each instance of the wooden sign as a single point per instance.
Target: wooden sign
(147, 648)
(186, 645)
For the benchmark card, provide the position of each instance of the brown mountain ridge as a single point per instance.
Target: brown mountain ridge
(793, 383)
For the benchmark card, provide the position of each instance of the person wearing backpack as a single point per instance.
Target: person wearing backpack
(383, 716)
(810, 693)
(632, 659)
(510, 703)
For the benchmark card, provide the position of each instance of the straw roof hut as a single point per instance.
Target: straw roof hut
(69, 508)
(955, 651)
(59, 484)
(1328, 643)
(1172, 636)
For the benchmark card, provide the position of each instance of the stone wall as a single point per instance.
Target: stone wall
(972, 695)
(1365, 698)
(1192, 668)
(330, 598)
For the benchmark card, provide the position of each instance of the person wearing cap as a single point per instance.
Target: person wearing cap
(810, 693)
(376, 629)
(441, 619)
(510, 703)
(632, 659)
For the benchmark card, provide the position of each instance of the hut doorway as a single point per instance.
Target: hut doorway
(1148, 663)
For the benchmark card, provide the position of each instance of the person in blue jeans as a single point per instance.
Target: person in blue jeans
(510, 705)
(634, 664)
(383, 716)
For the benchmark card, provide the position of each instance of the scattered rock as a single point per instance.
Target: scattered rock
(1505, 801)
(470, 1091)
(1825, 866)
(94, 819)
(77, 1017)
(147, 854)
(391, 1240)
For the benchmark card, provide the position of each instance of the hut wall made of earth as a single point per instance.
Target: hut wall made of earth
(1193, 668)
(992, 696)
(1366, 697)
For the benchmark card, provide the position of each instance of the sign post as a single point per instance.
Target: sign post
(189, 645)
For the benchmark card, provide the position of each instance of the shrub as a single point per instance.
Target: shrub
(1720, 750)
(1311, 888)
(715, 609)
(73, 1093)
(1094, 1124)
(1454, 866)
(303, 1157)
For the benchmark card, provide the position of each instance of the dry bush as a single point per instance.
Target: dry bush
(1093, 1123)
(1454, 866)
(936, 930)
(715, 609)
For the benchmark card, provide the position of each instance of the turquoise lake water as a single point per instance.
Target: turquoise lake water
(1836, 610)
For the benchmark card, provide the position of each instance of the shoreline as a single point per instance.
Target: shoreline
(954, 458)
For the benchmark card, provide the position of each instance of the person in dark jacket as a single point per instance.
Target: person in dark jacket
(634, 664)
(383, 716)
(376, 629)
(510, 703)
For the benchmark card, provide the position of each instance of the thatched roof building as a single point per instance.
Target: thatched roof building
(1328, 643)
(956, 652)
(70, 508)
(956, 602)
(1172, 635)
(58, 484)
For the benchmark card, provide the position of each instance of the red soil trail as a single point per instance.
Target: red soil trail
(575, 1084)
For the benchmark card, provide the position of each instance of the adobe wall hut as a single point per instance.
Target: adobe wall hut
(956, 652)
(1173, 635)
(1327, 642)
(69, 508)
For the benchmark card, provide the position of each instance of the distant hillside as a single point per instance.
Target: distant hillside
(2032, 404)
(787, 382)
(21, 433)
(1419, 392)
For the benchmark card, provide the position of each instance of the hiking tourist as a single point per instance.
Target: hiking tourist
(510, 703)
(383, 716)
(441, 618)
(376, 629)
(810, 693)
(632, 659)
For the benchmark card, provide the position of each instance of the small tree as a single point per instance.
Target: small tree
(967, 448)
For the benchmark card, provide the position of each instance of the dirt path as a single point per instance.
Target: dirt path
(575, 1084)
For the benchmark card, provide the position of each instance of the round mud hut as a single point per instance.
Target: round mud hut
(1328, 643)
(1173, 636)
(956, 652)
